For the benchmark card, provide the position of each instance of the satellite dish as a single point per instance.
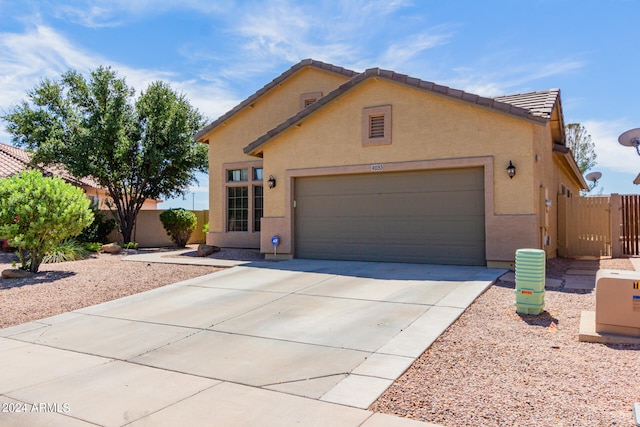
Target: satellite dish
(631, 138)
(593, 176)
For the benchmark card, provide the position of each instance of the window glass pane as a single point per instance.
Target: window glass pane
(237, 175)
(257, 174)
(237, 208)
(257, 206)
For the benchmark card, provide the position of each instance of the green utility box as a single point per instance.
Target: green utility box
(530, 280)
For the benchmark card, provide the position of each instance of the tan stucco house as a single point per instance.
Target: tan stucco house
(383, 166)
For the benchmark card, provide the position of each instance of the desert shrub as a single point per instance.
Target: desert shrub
(67, 250)
(99, 229)
(92, 246)
(37, 213)
(130, 245)
(179, 224)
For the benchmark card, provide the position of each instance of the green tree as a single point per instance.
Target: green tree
(580, 144)
(37, 213)
(179, 224)
(137, 149)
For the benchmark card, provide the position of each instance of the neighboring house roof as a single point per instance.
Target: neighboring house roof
(534, 106)
(636, 181)
(274, 83)
(14, 160)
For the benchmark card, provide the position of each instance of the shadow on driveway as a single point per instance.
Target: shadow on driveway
(378, 270)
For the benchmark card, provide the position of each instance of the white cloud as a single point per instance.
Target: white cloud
(398, 54)
(41, 52)
(113, 13)
(282, 31)
(286, 32)
(509, 78)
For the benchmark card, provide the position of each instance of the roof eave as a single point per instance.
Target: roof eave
(566, 154)
(488, 103)
(202, 133)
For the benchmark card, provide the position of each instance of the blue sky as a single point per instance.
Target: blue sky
(220, 52)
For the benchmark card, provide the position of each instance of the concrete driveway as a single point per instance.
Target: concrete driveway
(271, 344)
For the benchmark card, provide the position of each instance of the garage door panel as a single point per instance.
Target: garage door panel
(422, 216)
(466, 229)
(384, 183)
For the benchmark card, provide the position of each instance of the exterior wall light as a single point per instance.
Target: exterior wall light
(511, 170)
(271, 181)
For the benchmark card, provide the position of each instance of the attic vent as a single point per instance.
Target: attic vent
(308, 98)
(376, 126)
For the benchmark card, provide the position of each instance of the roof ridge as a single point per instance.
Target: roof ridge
(540, 103)
(494, 104)
(529, 93)
(308, 62)
(451, 92)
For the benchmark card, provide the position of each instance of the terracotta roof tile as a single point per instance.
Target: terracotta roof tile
(14, 160)
(536, 106)
(539, 104)
(455, 93)
(304, 63)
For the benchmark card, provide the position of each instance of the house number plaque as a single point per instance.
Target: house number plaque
(377, 167)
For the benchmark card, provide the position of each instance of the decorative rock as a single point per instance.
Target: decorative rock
(205, 250)
(14, 273)
(111, 248)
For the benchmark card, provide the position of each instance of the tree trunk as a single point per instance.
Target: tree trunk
(126, 227)
(36, 260)
(127, 221)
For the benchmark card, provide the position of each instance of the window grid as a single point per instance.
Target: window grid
(237, 209)
(258, 206)
(237, 175)
(258, 174)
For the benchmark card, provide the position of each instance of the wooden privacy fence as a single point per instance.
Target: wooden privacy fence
(599, 226)
(630, 207)
(584, 226)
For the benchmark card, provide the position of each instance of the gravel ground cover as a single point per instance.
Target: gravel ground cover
(68, 286)
(494, 367)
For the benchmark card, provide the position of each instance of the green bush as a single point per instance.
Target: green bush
(179, 224)
(37, 213)
(67, 250)
(92, 246)
(205, 227)
(99, 229)
(130, 245)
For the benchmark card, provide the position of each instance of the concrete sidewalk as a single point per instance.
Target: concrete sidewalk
(177, 257)
(271, 343)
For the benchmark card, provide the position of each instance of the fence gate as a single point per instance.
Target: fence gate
(630, 227)
(584, 226)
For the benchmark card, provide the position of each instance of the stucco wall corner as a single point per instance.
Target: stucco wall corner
(508, 233)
